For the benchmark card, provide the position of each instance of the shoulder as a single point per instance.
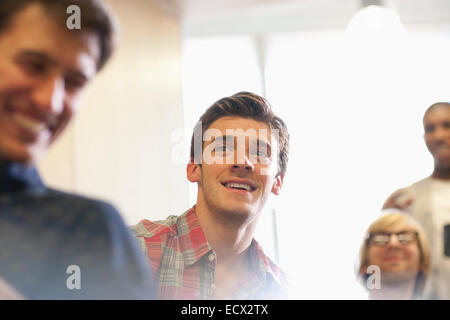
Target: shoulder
(154, 236)
(81, 204)
(277, 285)
(269, 265)
(148, 229)
(424, 183)
(414, 187)
(279, 275)
(94, 217)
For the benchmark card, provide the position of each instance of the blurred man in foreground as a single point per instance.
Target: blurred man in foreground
(55, 245)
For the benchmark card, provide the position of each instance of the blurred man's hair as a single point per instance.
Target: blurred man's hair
(96, 18)
(436, 105)
(244, 105)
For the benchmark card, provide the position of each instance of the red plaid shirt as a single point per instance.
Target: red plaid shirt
(184, 262)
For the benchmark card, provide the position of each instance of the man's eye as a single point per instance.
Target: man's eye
(34, 67)
(73, 84)
(429, 129)
(260, 153)
(222, 148)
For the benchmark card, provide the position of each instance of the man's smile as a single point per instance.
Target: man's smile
(239, 185)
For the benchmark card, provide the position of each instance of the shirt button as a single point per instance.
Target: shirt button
(211, 257)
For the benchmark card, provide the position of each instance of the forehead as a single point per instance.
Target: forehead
(396, 227)
(440, 112)
(33, 28)
(235, 123)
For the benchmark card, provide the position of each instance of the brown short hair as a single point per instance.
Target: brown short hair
(246, 105)
(96, 18)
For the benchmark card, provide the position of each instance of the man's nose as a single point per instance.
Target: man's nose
(393, 241)
(243, 162)
(48, 96)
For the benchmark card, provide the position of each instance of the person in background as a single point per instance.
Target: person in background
(55, 245)
(395, 258)
(239, 154)
(428, 200)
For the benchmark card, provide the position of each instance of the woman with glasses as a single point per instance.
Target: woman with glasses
(395, 258)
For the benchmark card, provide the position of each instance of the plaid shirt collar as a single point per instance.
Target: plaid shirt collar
(191, 229)
(259, 262)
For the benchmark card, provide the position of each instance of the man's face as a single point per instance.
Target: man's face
(437, 134)
(44, 68)
(397, 261)
(240, 186)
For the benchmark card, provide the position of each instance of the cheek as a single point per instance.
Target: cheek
(12, 78)
(268, 181)
(414, 255)
(210, 173)
(375, 256)
(428, 141)
(66, 116)
(267, 169)
(63, 120)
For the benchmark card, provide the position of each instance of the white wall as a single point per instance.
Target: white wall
(119, 147)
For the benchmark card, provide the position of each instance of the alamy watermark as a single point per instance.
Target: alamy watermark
(374, 280)
(73, 22)
(74, 280)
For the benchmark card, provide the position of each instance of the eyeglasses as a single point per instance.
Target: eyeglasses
(383, 238)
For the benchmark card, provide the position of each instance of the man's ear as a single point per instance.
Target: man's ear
(277, 184)
(193, 171)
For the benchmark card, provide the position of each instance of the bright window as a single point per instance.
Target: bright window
(354, 113)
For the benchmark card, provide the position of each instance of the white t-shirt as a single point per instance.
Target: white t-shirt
(440, 206)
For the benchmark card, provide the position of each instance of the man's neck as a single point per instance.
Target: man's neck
(441, 173)
(230, 239)
(24, 164)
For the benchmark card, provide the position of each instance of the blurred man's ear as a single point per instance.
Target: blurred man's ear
(193, 171)
(278, 184)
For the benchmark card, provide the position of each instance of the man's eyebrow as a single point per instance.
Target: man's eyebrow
(222, 139)
(43, 57)
(78, 74)
(37, 55)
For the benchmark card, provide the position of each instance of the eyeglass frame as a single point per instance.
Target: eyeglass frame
(416, 239)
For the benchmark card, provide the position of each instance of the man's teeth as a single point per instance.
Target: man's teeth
(239, 186)
(28, 124)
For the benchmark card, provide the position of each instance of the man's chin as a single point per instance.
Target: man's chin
(442, 165)
(20, 155)
(239, 211)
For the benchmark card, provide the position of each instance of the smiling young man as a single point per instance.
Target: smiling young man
(428, 200)
(55, 245)
(239, 156)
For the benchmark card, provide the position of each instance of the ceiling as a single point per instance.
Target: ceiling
(208, 17)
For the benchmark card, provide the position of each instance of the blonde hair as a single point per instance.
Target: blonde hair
(392, 218)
